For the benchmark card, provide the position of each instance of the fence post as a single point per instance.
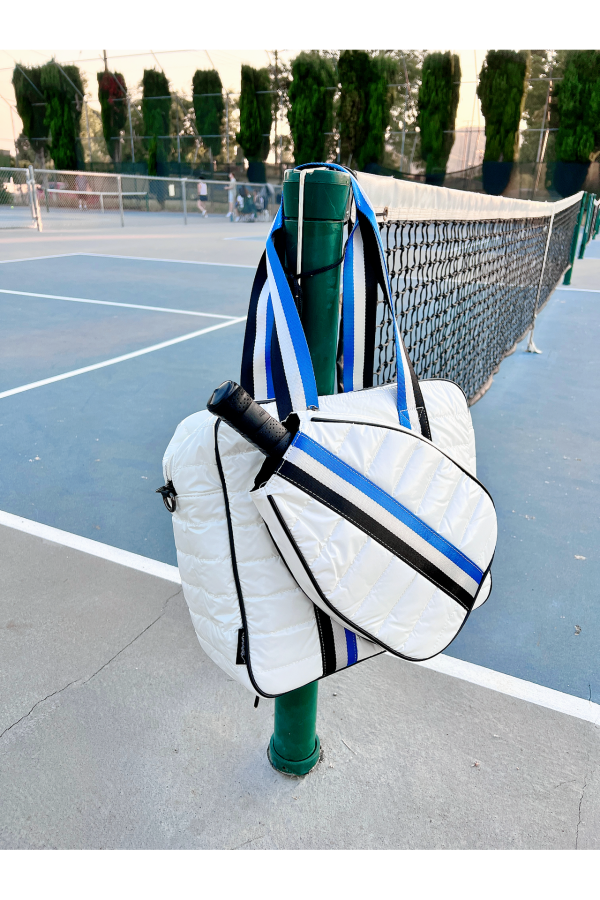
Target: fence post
(120, 201)
(33, 200)
(314, 236)
(184, 198)
(575, 238)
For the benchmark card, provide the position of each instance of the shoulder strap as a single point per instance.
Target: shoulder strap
(276, 361)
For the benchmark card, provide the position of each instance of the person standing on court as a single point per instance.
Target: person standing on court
(231, 192)
(202, 195)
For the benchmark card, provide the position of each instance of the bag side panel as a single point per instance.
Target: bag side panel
(283, 640)
(450, 422)
(202, 541)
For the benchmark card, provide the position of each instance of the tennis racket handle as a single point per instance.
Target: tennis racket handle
(236, 407)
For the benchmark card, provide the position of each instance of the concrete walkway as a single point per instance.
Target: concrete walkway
(118, 732)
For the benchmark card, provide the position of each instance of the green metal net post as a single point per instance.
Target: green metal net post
(294, 748)
(586, 228)
(569, 272)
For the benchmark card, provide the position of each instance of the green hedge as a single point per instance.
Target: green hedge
(578, 103)
(156, 114)
(256, 118)
(209, 110)
(31, 105)
(501, 89)
(63, 90)
(112, 94)
(311, 112)
(437, 104)
(364, 106)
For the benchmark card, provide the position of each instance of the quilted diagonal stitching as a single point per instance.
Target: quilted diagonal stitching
(355, 560)
(366, 597)
(419, 614)
(288, 629)
(482, 495)
(324, 542)
(428, 485)
(424, 610)
(385, 435)
(395, 487)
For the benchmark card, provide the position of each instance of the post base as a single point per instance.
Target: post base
(290, 766)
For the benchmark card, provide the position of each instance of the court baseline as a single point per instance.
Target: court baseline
(446, 665)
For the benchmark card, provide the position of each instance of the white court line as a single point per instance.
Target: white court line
(515, 687)
(567, 287)
(187, 262)
(118, 359)
(94, 548)
(5, 262)
(167, 309)
(447, 665)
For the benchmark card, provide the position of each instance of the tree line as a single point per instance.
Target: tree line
(337, 105)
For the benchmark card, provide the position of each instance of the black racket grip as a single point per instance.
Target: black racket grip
(236, 407)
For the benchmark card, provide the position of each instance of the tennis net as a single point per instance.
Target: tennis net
(468, 273)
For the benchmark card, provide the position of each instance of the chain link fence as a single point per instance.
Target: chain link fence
(63, 195)
(19, 206)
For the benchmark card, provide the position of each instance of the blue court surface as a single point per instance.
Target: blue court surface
(84, 453)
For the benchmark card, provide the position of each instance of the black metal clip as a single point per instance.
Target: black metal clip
(168, 494)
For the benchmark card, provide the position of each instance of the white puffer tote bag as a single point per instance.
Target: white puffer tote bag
(262, 568)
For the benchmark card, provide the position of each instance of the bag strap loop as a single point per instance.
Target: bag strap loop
(275, 340)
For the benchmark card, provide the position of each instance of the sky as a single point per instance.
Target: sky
(179, 66)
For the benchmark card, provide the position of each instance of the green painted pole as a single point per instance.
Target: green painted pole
(294, 748)
(575, 238)
(586, 228)
(597, 225)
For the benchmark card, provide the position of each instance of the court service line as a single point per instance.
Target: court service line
(186, 262)
(578, 290)
(118, 359)
(167, 309)
(5, 262)
(446, 665)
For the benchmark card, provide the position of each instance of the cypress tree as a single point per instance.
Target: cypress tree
(437, 105)
(364, 106)
(501, 89)
(209, 110)
(256, 118)
(112, 94)
(311, 112)
(63, 89)
(578, 104)
(156, 110)
(31, 106)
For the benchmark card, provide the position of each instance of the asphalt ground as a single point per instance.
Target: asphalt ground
(83, 455)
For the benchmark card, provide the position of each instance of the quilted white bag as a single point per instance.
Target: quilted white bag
(342, 594)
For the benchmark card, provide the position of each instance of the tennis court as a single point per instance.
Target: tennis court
(83, 454)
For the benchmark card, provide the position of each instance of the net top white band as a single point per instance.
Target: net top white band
(409, 201)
